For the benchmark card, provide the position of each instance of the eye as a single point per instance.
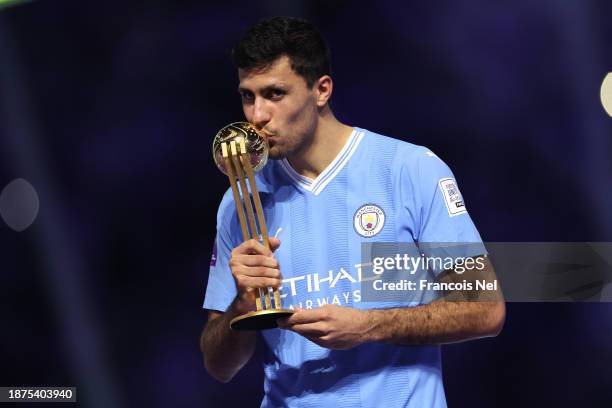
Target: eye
(247, 96)
(276, 94)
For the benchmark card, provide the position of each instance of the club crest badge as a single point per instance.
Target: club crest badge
(369, 220)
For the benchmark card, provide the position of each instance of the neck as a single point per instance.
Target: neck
(329, 138)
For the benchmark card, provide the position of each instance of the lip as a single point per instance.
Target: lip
(270, 138)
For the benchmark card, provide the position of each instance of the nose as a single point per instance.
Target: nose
(261, 113)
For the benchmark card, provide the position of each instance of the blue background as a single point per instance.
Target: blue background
(109, 109)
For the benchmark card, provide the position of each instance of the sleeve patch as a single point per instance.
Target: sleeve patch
(452, 197)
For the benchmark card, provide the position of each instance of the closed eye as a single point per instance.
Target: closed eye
(246, 96)
(275, 94)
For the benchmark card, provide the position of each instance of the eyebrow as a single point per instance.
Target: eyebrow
(264, 89)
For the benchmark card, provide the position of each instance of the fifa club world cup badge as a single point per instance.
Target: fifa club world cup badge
(452, 197)
(369, 220)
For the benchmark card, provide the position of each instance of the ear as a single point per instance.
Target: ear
(323, 90)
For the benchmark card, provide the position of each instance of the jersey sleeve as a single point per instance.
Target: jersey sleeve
(221, 289)
(443, 227)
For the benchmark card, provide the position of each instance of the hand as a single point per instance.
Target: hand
(253, 266)
(330, 326)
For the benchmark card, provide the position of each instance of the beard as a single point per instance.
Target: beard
(288, 142)
(275, 153)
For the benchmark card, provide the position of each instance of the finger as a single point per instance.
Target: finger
(310, 329)
(306, 316)
(251, 247)
(259, 272)
(245, 282)
(274, 243)
(257, 260)
(282, 323)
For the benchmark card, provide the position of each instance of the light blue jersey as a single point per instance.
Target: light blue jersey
(377, 189)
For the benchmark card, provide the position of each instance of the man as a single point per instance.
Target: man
(329, 188)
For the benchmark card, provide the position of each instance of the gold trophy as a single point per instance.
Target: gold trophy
(239, 151)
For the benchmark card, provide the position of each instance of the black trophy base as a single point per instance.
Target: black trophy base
(259, 319)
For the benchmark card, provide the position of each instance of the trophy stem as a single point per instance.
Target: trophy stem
(239, 209)
(249, 206)
(245, 194)
(260, 214)
(237, 164)
(256, 199)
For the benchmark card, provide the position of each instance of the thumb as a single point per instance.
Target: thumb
(274, 243)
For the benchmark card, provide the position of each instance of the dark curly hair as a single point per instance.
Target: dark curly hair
(274, 37)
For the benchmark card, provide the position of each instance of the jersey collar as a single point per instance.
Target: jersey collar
(318, 184)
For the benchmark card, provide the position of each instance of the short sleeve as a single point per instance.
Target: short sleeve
(443, 226)
(221, 289)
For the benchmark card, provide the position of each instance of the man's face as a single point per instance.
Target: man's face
(278, 101)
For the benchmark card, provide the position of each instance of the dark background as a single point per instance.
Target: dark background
(109, 108)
